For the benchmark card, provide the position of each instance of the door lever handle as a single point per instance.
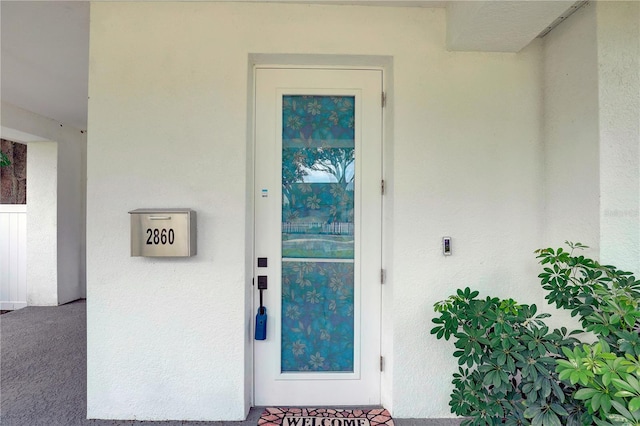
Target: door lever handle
(262, 282)
(262, 285)
(261, 317)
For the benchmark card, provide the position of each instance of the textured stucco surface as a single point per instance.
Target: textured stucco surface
(56, 214)
(571, 140)
(592, 132)
(465, 162)
(42, 223)
(618, 25)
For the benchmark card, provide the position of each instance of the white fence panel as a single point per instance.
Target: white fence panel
(13, 256)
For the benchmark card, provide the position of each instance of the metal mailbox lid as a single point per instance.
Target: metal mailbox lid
(154, 211)
(163, 232)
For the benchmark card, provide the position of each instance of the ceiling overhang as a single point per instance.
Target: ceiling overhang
(499, 26)
(45, 44)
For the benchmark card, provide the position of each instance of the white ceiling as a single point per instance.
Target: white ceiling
(45, 44)
(45, 58)
(499, 26)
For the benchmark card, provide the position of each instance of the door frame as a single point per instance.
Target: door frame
(386, 71)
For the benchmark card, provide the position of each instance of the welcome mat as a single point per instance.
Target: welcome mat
(274, 416)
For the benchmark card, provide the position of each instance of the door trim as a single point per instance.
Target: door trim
(385, 71)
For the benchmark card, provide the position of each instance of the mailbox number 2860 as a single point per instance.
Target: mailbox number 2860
(162, 236)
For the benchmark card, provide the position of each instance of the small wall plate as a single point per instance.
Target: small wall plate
(446, 246)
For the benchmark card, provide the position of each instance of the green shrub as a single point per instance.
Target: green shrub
(605, 299)
(4, 160)
(513, 370)
(507, 363)
(608, 384)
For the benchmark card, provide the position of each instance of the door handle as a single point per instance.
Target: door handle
(262, 283)
(261, 316)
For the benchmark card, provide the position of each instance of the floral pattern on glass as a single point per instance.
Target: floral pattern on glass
(318, 170)
(317, 316)
(312, 120)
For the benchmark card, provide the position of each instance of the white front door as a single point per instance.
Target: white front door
(318, 171)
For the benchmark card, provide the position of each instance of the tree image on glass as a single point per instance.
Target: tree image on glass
(318, 176)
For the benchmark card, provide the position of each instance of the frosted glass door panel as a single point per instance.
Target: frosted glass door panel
(318, 160)
(318, 171)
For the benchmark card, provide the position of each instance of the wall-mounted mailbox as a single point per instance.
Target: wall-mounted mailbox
(163, 232)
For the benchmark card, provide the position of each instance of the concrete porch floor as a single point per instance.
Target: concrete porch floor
(43, 372)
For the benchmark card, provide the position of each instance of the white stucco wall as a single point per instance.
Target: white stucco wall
(467, 164)
(168, 125)
(592, 132)
(618, 26)
(55, 195)
(571, 140)
(71, 219)
(42, 247)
